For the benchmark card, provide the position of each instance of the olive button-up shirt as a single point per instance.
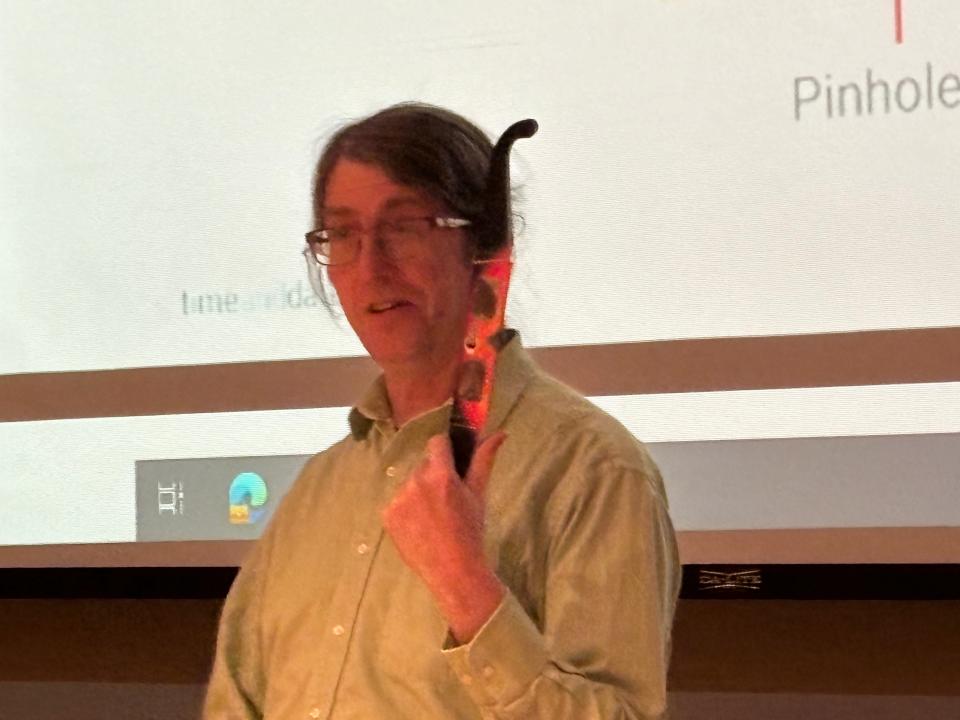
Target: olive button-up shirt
(324, 619)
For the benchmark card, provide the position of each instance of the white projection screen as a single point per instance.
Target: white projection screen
(740, 238)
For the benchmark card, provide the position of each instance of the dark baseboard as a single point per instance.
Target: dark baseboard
(700, 582)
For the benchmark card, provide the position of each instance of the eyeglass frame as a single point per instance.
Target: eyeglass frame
(318, 236)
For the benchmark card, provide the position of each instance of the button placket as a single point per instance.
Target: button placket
(345, 605)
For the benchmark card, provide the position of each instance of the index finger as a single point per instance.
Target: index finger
(438, 450)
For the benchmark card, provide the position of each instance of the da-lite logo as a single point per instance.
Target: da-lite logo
(248, 493)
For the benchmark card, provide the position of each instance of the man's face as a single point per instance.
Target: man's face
(406, 312)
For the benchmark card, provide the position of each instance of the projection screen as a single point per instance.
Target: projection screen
(739, 237)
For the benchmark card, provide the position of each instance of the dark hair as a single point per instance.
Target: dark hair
(420, 145)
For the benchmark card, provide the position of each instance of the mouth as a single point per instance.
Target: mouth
(378, 308)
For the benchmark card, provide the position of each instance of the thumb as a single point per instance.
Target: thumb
(482, 462)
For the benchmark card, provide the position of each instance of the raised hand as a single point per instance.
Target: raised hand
(436, 521)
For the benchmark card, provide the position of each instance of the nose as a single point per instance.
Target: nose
(373, 256)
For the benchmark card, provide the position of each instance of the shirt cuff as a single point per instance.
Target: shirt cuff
(504, 657)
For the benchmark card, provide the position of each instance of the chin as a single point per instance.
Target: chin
(406, 343)
(392, 353)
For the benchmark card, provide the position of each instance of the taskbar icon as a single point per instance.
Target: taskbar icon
(248, 495)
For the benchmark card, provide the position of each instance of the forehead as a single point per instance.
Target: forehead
(362, 188)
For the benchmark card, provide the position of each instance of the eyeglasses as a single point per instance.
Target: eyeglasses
(402, 238)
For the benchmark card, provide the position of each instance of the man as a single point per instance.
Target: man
(541, 585)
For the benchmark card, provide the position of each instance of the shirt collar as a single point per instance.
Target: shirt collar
(514, 370)
(374, 406)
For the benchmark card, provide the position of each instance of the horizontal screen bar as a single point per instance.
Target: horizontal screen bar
(669, 366)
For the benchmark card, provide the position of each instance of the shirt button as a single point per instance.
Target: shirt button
(315, 713)
(362, 548)
(391, 471)
(338, 630)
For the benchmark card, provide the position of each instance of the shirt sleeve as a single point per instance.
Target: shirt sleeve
(238, 680)
(602, 646)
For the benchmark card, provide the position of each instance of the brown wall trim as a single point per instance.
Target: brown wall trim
(883, 545)
(182, 553)
(890, 545)
(787, 361)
